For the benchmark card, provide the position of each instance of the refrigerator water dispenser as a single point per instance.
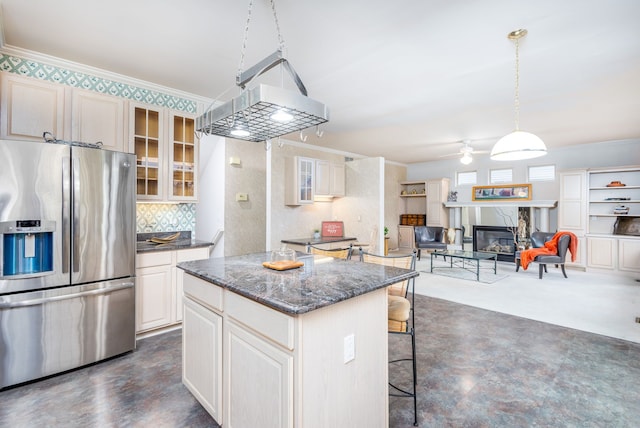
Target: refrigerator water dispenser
(26, 248)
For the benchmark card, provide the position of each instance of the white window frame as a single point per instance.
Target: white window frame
(547, 177)
(459, 173)
(499, 172)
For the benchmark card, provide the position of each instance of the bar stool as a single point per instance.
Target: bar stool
(400, 315)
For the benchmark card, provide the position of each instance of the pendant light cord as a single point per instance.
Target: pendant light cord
(245, 39)
(517, 100)
(281, 45)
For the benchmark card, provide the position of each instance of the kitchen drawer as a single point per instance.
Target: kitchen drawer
(153, 259)
(192, 254)
(204, 292)
(270, 323)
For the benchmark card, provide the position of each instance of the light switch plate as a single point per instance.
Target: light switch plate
(242, 197)
(349, 348)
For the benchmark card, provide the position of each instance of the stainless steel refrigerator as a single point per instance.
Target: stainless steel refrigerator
(67, 257)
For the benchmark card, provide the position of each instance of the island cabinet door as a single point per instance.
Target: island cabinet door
(258, 382)
(202, 356)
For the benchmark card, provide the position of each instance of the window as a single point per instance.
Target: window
(542, 173)
(501, 176)
(467, 178)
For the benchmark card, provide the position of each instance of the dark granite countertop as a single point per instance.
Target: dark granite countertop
(183, 242)
(322, 281)
(321, 240)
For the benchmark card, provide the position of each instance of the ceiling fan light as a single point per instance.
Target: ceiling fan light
(517, 146)
(466, 159)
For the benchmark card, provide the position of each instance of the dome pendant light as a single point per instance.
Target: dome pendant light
(519, 144)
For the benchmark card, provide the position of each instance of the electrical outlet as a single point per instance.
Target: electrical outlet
(349, 348)
(242, 197)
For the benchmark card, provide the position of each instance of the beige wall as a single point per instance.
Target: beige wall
(245, 222)
(288, 222)
(361, 209)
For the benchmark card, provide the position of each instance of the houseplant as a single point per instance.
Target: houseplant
(386, 241)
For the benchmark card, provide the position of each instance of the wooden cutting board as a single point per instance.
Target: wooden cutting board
(283, 264)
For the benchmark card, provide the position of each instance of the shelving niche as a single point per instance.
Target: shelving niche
(604, 199)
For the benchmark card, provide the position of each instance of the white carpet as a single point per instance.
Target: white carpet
(601, 303)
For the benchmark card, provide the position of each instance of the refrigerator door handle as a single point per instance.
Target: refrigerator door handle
(75, 233)
(42, 300)
(66, 209)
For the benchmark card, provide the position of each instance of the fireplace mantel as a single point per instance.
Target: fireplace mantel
(455, 211)
(502, 203)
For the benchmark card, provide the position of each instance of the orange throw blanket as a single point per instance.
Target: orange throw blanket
(550, 248)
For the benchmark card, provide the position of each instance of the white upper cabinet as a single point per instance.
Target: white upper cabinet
(572, 206)
(183, 156)
(437, 191)
(329, 179)
(97, 117)
(166, 151)
(337, 181)
(299, 180)
(146, 139)
(31, 107)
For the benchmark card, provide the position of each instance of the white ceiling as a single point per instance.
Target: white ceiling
(402, 79)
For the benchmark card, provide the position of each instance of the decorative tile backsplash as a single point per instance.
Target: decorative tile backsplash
(41, 71)
(165, 217)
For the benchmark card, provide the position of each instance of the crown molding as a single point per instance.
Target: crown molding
(101, 73)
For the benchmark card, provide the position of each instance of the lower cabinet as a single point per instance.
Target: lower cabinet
(271, 369)
(202, 356)
(249, 358)
(153, 297)
(614, 253)
(159, 287)
(601, 253)
(629, 255)
(580, 262)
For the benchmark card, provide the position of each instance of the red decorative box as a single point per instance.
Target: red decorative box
(332, 228)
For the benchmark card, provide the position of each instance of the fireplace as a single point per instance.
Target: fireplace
(494, 239)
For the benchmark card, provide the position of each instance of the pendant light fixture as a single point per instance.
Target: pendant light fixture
(519, 144)
(263, 112)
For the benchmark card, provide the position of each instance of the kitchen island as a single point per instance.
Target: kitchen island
(304, 347)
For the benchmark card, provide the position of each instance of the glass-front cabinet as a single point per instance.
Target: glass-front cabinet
(166, 149)
(299, 181)
(149, 153)
(183, 151)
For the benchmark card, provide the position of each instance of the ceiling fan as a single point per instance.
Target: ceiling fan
(465, 152)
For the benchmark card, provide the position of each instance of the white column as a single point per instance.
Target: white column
(544, 219)
(455, 220)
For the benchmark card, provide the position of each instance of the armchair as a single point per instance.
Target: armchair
(429, 238)
(554, 251)
(539, 238)
(537, 241)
